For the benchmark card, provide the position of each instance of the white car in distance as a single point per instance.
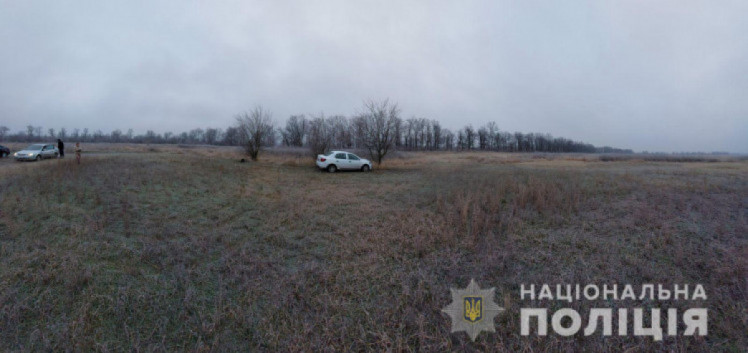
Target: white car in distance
(341, 160)
(37, 152)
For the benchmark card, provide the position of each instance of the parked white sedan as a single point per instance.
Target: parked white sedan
(341, 160)
(37, 152)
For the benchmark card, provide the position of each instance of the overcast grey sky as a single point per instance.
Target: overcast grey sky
(641, 74)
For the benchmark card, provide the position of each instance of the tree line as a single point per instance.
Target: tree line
(378, 128)
(210, 136)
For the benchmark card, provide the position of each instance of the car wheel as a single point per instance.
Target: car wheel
(332, 168)
(366, 168)
(38, 157)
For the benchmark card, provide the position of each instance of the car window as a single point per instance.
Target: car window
(340, 156)
(353, 157)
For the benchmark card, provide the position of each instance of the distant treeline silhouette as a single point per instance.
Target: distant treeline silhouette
(414, 134)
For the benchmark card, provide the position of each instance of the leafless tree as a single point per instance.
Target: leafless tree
(376, 127)
(342, 131)
(295, 131)
(3, 132)
(196, 135)
(320, 135)
(437, 128)
(469, 137)
(231, 137)
(483, 140)
(116, 136)
(449, 139)
(255, 130)
(399, 134)
(211, 135)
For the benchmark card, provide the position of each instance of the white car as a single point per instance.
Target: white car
(37, 152)
(341, 160)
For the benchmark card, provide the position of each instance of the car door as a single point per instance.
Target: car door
(341, 161)
(46, 151)
(354, 162)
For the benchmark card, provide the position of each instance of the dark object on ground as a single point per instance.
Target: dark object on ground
(4, 151)
(242, 160)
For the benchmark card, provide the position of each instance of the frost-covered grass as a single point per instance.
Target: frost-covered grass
(170, 248)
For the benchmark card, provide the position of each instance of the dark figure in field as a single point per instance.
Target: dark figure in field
(61, 147)
(78, 152)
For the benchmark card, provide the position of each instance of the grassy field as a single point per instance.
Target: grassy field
(164, 248)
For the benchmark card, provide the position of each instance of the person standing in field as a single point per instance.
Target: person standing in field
(61, 147)
(78, 152)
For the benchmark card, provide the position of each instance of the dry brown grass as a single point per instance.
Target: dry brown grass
(164, 248)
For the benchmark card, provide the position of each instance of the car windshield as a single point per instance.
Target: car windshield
(34, 147)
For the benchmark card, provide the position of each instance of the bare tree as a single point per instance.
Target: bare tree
(449, 139)
(295, 131)
(342, 136)
(376, 127)
(469, 140)
(211, 136)
(483, 140)
(320, 135)
(196, 135)
(3, 132)
(255, 130)
(116, 135)
(231, 137)
(98, 135)
(437, 128)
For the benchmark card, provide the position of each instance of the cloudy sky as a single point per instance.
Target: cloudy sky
(640, 74)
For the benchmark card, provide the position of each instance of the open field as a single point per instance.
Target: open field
(164, 248)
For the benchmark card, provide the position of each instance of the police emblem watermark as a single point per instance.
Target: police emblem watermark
(472, 310)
